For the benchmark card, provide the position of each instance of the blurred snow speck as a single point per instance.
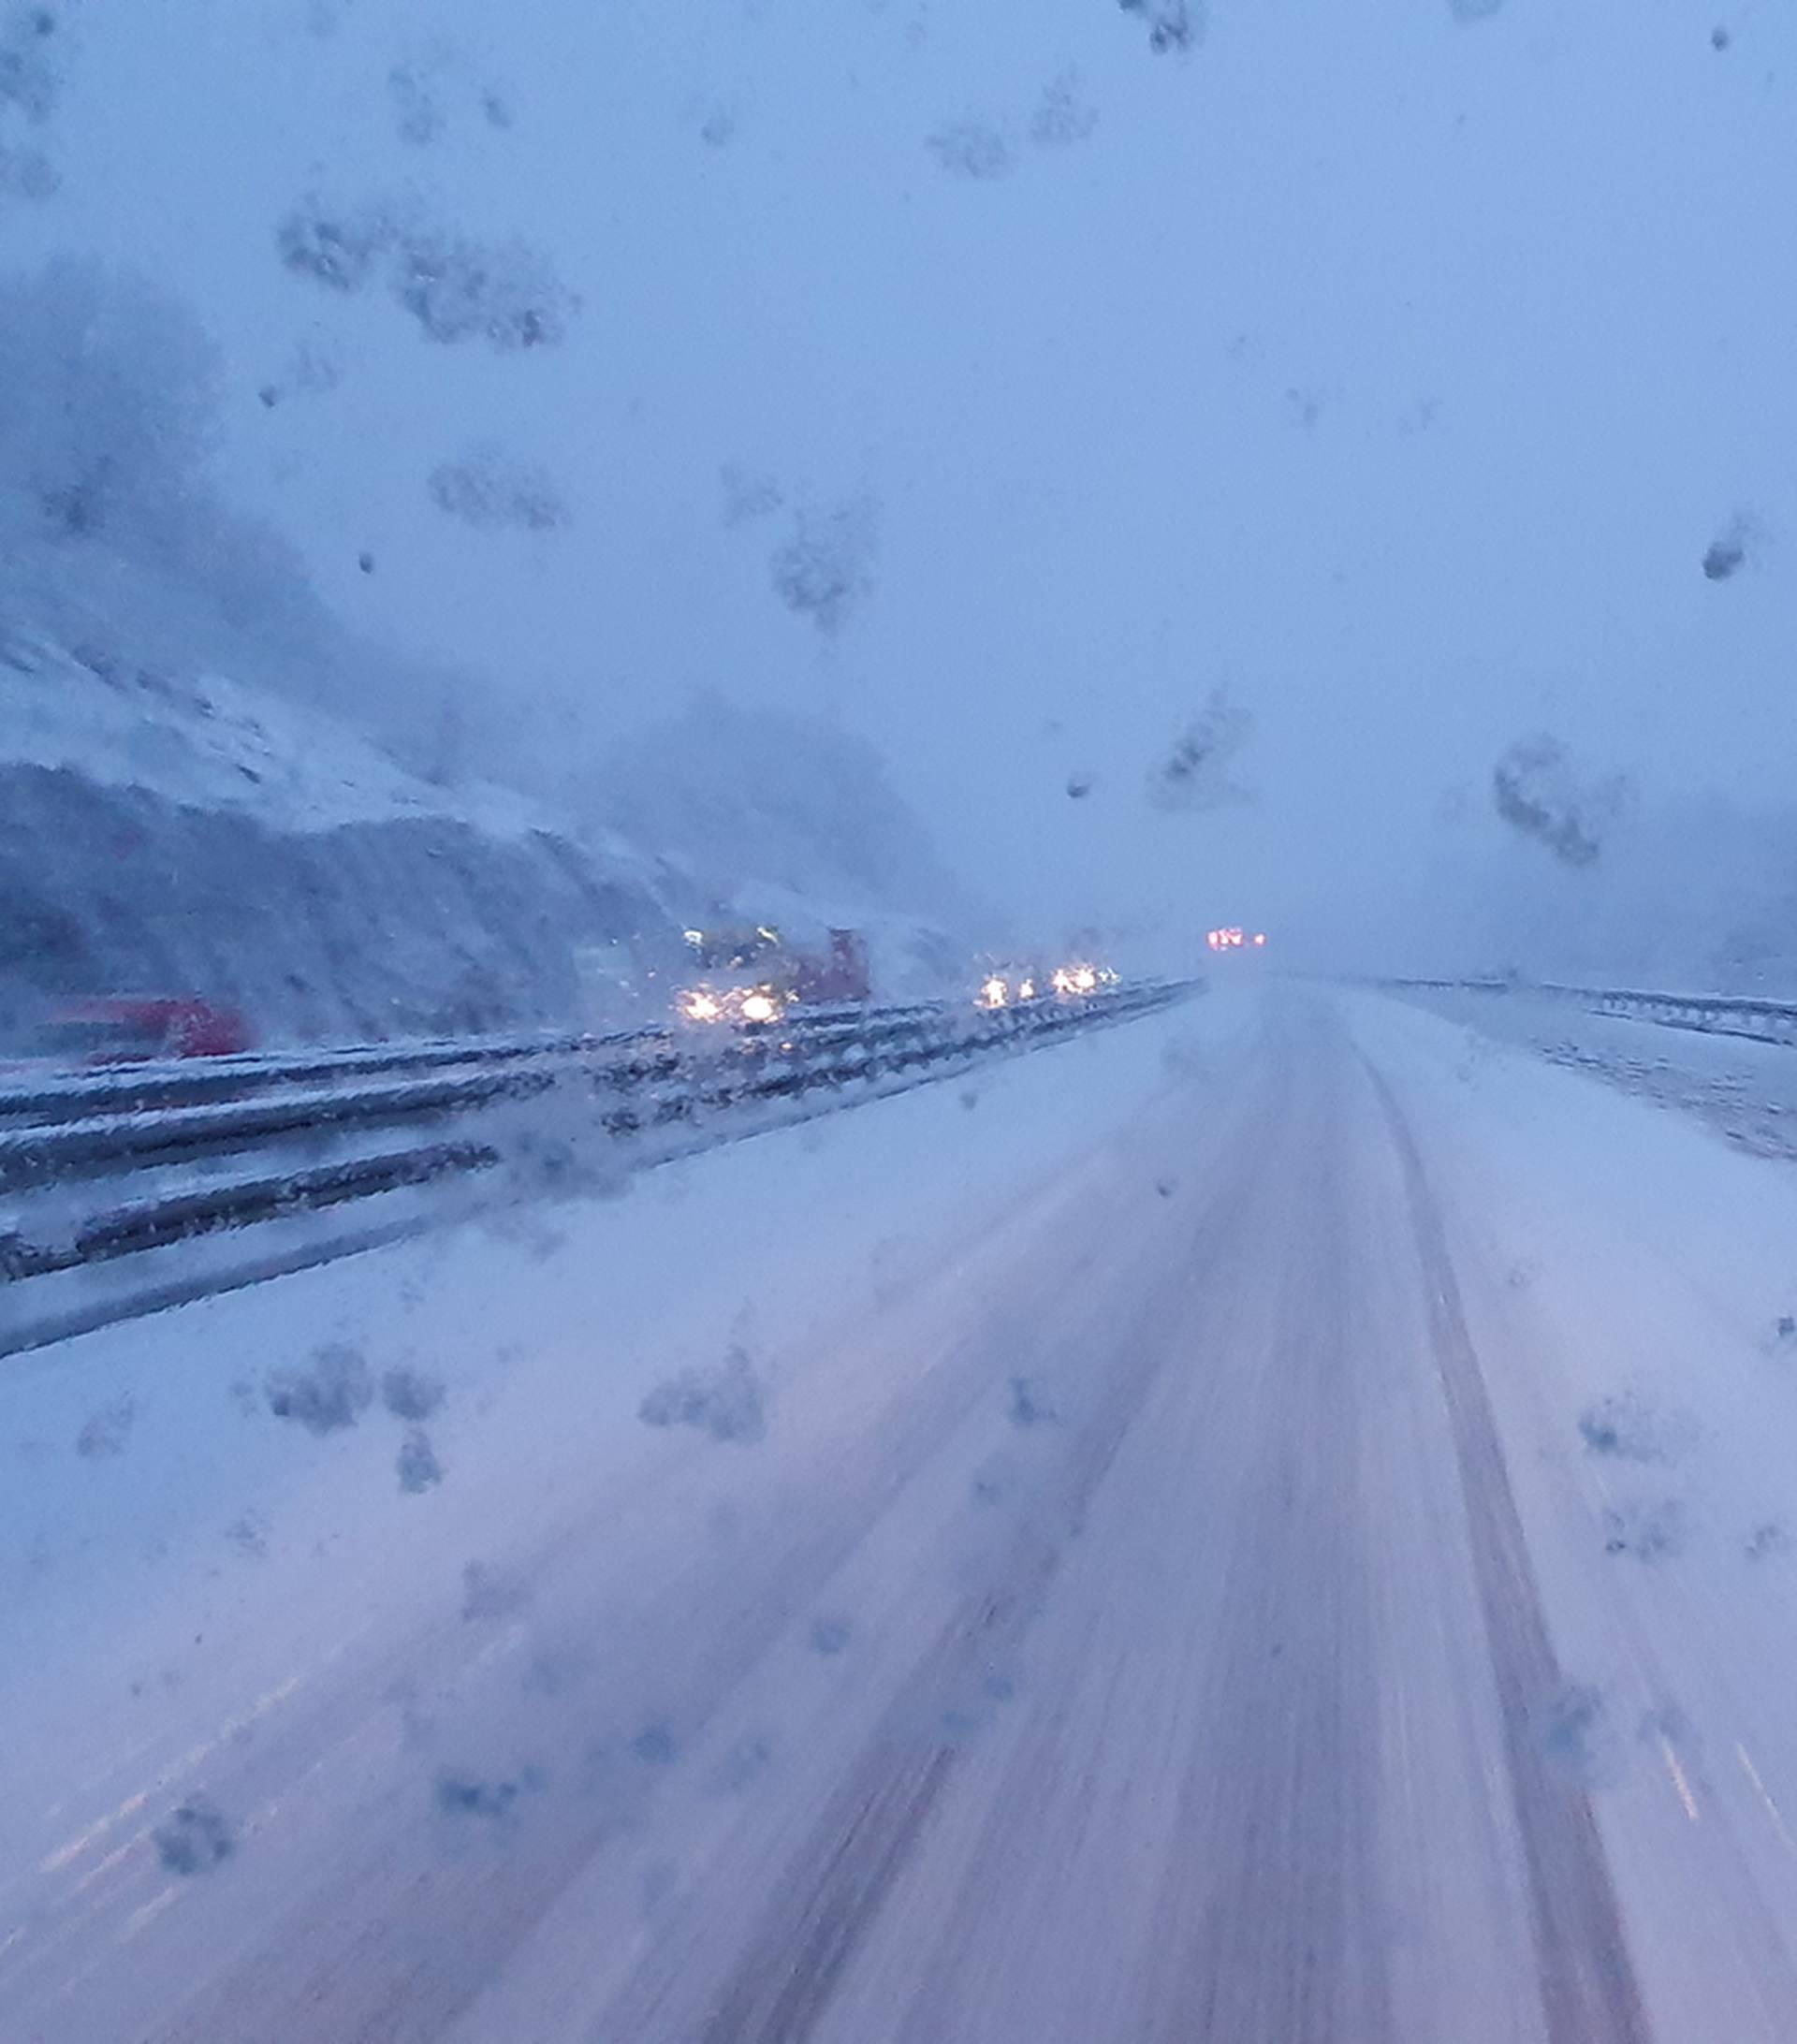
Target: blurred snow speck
(747, 495)
(335, 246)
(417, 1464)
(1032, 1403)
(504, 293)
(971, 147)
(105, 1432)
(249, 1533)
(423, 90)
(1080, 785)
(418, 112)
(1575, 1735)
(824, 571)
(830, 1635)
(467, 1795)
(1650, 1532)
(195, 1839)
(993, 1483)
(1173, 24)
(1474, 10)
(718, 127)
(1540, 793)
(333, 1394)
(728, 1403)
(491, 1593)
(1626, 1427)
(1061, 116)
(655, 1746)
(1304, 407)
(1727, 554)
(31, 49)
(1194, 775)
(488, 486)
(410, 1394)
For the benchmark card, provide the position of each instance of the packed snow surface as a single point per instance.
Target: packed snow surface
(1273, 1510)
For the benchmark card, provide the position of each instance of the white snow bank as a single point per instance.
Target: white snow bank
(208, 741)
(1630, 1285)
(1744, 1088)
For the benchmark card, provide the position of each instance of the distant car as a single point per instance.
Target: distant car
(128, 1029)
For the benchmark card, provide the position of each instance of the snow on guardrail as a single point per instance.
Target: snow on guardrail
(1717, 1014)
(107, 1172)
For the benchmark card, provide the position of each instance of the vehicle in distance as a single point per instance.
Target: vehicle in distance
(753, 974)
(1236, 939)
(1020, 984)
(121, 1029)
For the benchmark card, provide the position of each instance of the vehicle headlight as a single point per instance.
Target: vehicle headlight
(995, 993)
(699, 1006)
(759, 1007)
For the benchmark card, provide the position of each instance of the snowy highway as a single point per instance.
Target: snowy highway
(1276, 1524)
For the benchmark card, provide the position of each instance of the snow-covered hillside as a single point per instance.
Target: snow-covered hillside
(209, 741)
(193, 834)
(211, 784)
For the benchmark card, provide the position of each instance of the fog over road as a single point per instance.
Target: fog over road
(1306, 1556)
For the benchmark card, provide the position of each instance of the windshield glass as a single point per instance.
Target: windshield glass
(897, 1021)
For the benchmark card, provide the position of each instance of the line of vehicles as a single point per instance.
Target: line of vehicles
(737, 975)
(1059, 983)
(751, 974)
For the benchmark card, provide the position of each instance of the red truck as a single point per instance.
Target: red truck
(118, 1028)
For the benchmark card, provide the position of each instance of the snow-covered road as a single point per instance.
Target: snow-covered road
(1276, 1525)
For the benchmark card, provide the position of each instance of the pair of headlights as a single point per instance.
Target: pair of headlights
(757, 1004)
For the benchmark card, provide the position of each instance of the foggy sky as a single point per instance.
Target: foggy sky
(1392, 370)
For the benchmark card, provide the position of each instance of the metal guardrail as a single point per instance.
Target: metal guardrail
(1716, 1014)
(104, 1166)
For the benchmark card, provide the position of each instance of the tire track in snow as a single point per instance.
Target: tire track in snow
(1589, 1991)
(782, 1988)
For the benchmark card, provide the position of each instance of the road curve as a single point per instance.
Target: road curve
(1184, 1611)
